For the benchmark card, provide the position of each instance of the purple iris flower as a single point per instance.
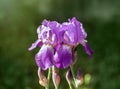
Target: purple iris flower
(75, 34)
(56, 41)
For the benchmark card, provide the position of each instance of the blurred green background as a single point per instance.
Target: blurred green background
(19, 20)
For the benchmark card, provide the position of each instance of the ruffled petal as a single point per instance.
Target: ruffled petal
(63, 57)
(50, 32)
(44, 33)
(80, 32)
(70, 36)
(44, 58)
(74, 32)
(79, 28)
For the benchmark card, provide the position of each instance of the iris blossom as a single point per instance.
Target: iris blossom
(57, 41)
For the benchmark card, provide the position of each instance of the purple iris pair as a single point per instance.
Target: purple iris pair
(57, 42)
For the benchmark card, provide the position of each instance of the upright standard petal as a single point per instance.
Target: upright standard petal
(70, 35)
(80, 32)
(63, 57)
(44, 33)
(50, 32)
(74, 32)
(44, 58)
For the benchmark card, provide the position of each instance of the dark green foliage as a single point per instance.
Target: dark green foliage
(19, 20)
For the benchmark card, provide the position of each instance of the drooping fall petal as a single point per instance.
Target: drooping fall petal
(63, 57)
(44, 58)
(87, 48)
(35, 44)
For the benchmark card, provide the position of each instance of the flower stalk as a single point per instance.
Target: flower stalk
(49, 77)
(72, 71)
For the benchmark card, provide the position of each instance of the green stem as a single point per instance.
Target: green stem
(70, 86)
(48, 77)
(56, 87)
(73, 76)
